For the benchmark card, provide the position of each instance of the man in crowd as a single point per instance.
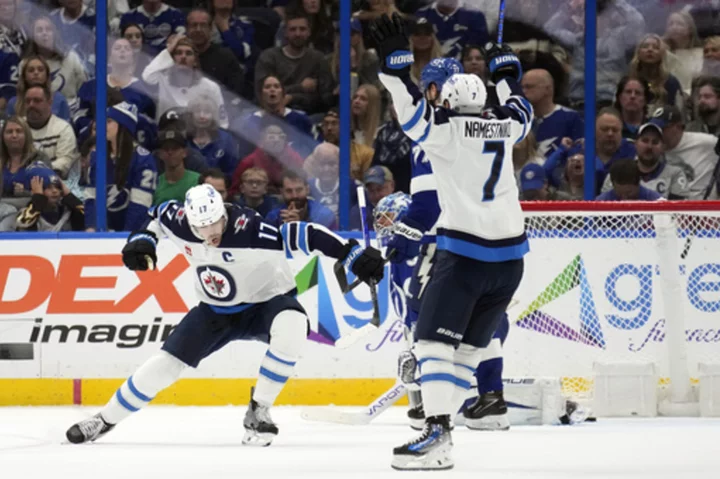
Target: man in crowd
(297, 206)
(708, 107)
(625, 178)
(217, 179)
(253, 191)
(176, 179)
(379, 183)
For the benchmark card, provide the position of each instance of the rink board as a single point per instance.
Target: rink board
(87, 322)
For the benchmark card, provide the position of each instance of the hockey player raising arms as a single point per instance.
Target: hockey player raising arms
(246, 291)
(480, 235)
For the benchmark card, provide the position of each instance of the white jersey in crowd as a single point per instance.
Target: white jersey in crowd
(471, 157)
(170, 96)
(669, 181)
(695, 154)
(57, 140)
(251, 263)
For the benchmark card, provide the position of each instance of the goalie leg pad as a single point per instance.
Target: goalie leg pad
(157, 373)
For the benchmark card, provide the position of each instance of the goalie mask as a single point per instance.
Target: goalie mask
(464, 93)
(389, 211)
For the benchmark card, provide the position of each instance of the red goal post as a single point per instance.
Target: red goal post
(635, 282)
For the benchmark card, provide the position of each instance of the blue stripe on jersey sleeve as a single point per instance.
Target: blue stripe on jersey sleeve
(285, 233)
(419, 113)
(302, 237)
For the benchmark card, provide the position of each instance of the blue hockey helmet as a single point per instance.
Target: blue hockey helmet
(438, 71)
(389, 211)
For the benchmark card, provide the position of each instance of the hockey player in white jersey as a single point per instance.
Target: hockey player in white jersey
(246, 290)
(481, 234)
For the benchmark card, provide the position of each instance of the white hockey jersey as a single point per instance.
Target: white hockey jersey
(251, 263)
(471, 156)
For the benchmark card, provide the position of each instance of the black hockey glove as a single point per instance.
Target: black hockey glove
(502, 62)
(366, 263)
(139, 252)
(393, 44)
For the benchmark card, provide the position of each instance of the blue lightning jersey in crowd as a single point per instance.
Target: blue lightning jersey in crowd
(550, 130)
(471, 156)
(239, 37)
(221, 153)
(455, 31)
(250, 265)
(126, 207)
(9, 73)
(158, 27)
(78, 34)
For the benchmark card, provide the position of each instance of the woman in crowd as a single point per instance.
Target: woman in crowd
(17, 153)
(684, 49)
(271, 99)
(649, 64)
(425, 47)
(67, 71)
(365, 110)
(631, 100)
(217, 146)
(35, 71)
(134, 34)
(131, 174)
(176, 71)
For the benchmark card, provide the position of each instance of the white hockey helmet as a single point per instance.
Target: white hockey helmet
(204, 206)
(464, 93)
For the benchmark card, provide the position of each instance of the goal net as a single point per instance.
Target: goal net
(617, 282)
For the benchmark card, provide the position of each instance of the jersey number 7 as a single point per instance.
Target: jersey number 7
(498, 149)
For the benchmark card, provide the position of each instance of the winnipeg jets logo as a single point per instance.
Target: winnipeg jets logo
(241, 223)
(216, 282)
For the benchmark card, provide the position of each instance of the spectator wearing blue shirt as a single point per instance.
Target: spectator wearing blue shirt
(455, 26)
(552, 122)
(272, 99)
(35, 71)
(609, 147)
(297, 206)
(379, 183)
(75, 22)
(253, 191)
(216, 145)
(625, 177)
(158, 21)
(534, 185)
(632, 98)
(231, 31)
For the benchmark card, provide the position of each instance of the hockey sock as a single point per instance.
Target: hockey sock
(287, 337)
(465, 361)
(489, 371)
(158, 372)
(437, 377)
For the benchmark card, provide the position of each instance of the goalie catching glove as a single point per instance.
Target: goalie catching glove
(405, 240)
(139, 252)
(393, 44)
(366, 263)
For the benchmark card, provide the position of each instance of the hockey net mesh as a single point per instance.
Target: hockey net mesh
(592, 292)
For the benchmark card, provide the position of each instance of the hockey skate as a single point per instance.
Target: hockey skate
(89, 430)
(430, 451)
(488, 413)
(260, 430)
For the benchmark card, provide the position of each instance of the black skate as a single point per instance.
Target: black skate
(430, 451)
(89, 430)
(260, 430)
(488, 413)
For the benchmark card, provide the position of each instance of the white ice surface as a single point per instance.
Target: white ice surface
(205, 443)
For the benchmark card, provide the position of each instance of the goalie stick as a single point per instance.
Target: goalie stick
(337, 415)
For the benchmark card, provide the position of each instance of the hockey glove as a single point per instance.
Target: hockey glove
(502, 62)
(393, 44)
(365, 263)
(139, 252)
(405, 240)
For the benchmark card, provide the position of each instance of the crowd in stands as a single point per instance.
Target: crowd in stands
(244, 95)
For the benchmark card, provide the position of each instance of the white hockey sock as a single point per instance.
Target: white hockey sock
(437, 377)
(467, 358)
(287, 337)
(157, 373)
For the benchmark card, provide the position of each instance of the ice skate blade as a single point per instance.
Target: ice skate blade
(488, 423)
(437, 460)
(258, 439)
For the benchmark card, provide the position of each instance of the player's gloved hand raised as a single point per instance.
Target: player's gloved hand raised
(405, 240)
(366, 263)
(393, 44)
(139, 252)
(502, 62)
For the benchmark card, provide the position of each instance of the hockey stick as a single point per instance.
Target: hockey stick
(337, 415)
(354, 336)
(501, 21)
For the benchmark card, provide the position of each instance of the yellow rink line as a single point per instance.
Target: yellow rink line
(192, 392)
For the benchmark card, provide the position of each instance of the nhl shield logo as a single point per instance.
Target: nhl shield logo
(216, 282)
